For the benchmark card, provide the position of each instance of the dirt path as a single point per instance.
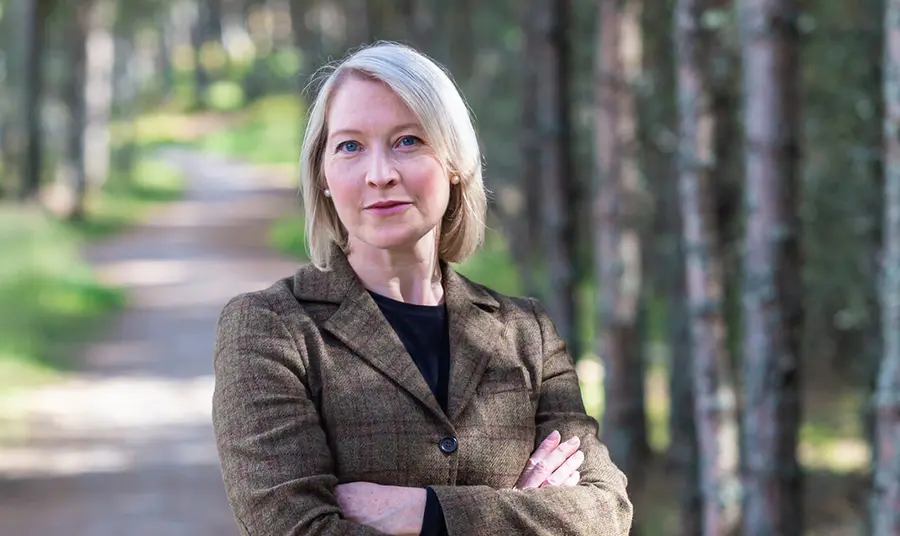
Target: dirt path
(126, 448)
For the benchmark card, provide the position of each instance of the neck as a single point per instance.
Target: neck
(409, 274)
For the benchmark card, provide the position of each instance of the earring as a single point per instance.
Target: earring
(454, 179)
(327, 192)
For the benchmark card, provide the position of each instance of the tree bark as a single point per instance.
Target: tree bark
(666, 267)
(618, 244)
(461, 34)
(772, 287)
(198, 39)
(212, 30)
(556, 173)
(714, 393)
(527, 245)
(72, 180)
(99, 92)
(886, 510)
(38, 11)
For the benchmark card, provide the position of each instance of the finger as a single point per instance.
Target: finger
(573, 480)
(546, 447)
(565, 470)
(546, 466)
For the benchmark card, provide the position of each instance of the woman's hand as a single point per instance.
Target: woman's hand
(391, 509)
(553, 464)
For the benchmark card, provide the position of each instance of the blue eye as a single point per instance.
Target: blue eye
(408, 141)
(349, 146)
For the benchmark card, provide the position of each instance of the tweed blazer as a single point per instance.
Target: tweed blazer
(314, 388)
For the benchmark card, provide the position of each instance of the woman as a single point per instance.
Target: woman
(377, 391)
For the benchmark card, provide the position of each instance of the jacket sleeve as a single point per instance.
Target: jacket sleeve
(276, 463)
(599, 506)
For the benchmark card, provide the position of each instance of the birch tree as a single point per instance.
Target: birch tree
(665, 265)
(555, 164)
(618, 243)
(714, 393)
(886, 503)
(771, 289)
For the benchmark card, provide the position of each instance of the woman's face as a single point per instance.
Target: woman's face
(386, 182)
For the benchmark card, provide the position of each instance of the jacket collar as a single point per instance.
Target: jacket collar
(340, 282)
(475, 330)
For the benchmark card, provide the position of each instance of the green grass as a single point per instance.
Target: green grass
(49, 297)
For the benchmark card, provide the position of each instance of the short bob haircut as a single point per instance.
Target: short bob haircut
(444, 116)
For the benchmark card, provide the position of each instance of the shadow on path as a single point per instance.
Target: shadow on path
(125, 447)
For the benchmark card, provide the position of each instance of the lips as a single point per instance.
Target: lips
(388, 207)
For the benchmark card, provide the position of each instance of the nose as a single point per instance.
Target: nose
(382, 172)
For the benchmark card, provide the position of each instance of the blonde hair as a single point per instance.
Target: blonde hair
(444, 116)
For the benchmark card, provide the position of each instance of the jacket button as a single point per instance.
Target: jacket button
(448, 445)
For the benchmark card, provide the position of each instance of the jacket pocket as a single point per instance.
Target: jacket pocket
(500, 380)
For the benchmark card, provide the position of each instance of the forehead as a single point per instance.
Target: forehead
(360, 103)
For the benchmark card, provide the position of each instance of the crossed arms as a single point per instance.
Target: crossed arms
(279, 473)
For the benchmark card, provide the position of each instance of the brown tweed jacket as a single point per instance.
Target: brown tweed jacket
(314, 388)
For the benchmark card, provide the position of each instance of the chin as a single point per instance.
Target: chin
(394, 239)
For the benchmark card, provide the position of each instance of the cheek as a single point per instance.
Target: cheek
(431, 184)
(344, 190)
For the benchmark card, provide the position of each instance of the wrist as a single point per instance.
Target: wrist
(412, 502)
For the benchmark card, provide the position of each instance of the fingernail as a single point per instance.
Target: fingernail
(554, 435)
(573, 441)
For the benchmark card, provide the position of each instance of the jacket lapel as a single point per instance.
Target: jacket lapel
(475, 337)
(475, 331)
(360, 325)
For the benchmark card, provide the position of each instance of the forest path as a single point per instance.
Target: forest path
(125, 446)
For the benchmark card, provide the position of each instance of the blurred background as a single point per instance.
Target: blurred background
(148, 156)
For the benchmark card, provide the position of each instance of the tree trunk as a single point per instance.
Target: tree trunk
(305, 38)
(870, 14)
(771, 294)
(556, 174)
(212, 30)
(198, 38)
(618, 248)
(886, 510)
(714, 395)
(462, 36)
(38, 11)
(99, 92)
(72, 181)
(666, 268)
(422, 26)
(359, 15)
(525, 227)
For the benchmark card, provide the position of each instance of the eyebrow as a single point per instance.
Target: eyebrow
(354, 132)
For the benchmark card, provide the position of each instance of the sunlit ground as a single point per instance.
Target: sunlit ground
(96, 424)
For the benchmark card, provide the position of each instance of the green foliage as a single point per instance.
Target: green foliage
(47, 294)
(127, 196)
(269, 131)
(842, 184)
(288, 235)
(493, 266)
(225, 96)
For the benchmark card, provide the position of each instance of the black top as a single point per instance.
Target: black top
(424, 332)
